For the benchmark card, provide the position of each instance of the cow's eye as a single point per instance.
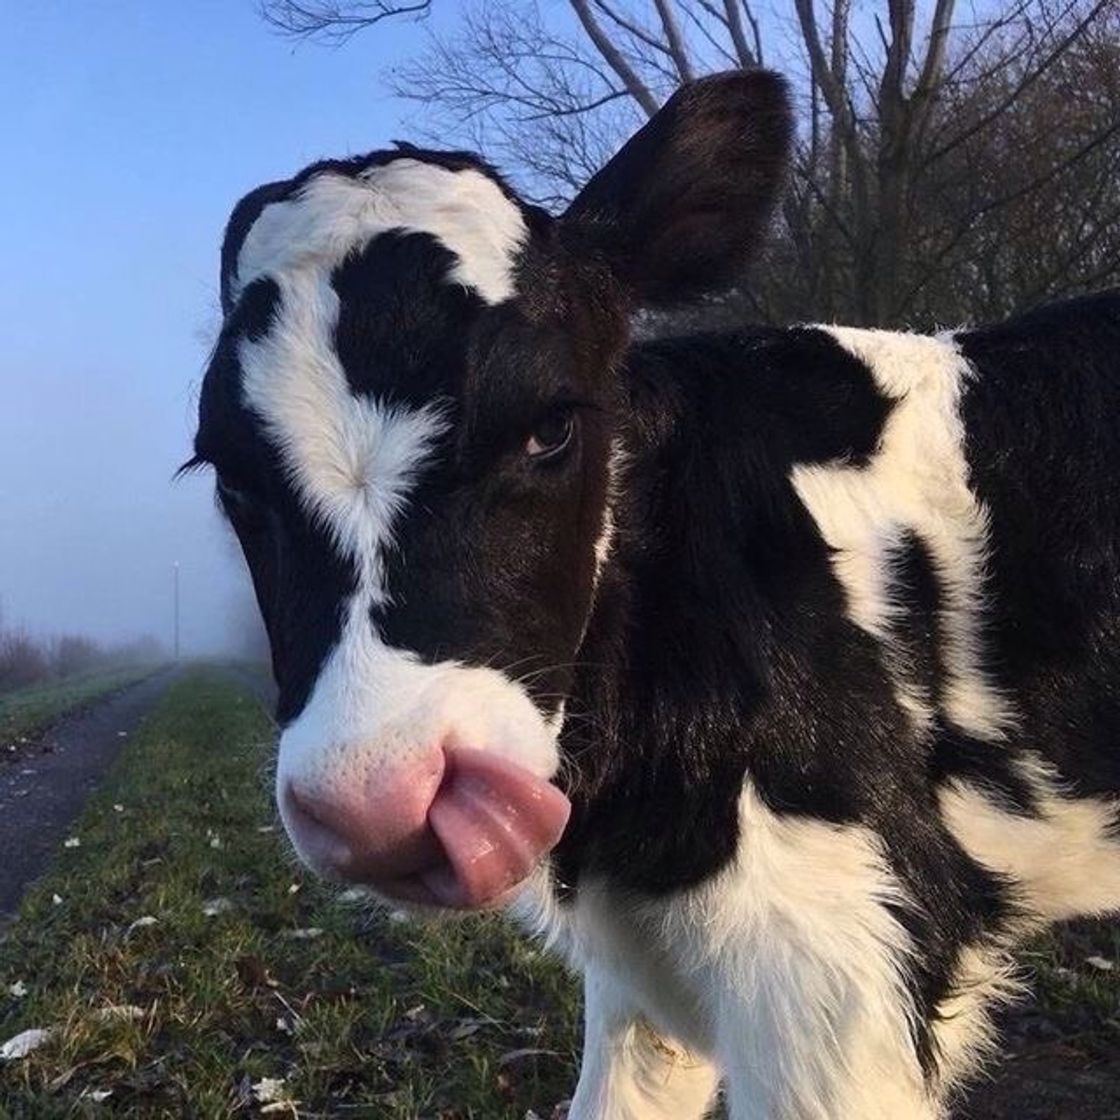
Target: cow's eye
(239, 502)
(231, 493)
(551, 435)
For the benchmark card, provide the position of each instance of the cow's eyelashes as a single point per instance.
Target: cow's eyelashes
(552, 435)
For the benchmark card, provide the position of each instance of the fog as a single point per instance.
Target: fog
(129, 131)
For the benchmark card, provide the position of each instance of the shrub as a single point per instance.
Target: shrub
(23, 661)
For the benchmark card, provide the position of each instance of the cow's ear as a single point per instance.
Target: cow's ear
(682, 206)
(245, 213)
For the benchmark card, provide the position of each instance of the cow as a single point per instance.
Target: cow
(773, 675)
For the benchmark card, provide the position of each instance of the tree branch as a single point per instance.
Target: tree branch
(935, 53)
(673, 37)
(631, 28)
(613, 58)
(1029, 80)
(335, 21)
(747, 58)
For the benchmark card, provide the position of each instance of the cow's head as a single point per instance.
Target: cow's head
(414, 412)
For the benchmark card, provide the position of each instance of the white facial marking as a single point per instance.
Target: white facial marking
(374, 709)
(616, 464)
(916, 480)
(334, 215)
(351, 458)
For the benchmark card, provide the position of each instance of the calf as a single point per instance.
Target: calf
(774, 675)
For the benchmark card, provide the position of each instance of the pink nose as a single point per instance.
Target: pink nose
(371, 831)
(458, 828)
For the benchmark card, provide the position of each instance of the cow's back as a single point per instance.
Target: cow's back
(1042, 428)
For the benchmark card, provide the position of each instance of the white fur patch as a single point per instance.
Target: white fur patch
(916, 480)
(616, 465)
(630, 1071)
(335, 215)
(985, 976)
(786, 971)
(814, 1017)
(1065, 861)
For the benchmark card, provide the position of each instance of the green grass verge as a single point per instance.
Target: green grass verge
(187, 1015)
(178, 1012)
(27, 711)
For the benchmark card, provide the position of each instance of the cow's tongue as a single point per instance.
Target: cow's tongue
(495, 821)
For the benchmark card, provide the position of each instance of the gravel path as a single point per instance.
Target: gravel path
(43, 788)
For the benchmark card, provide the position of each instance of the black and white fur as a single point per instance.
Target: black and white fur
(819, 628)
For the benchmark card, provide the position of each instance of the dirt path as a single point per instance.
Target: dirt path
(1057, 1064)
(44, 789)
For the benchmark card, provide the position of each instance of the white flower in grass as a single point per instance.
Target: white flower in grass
(308, 934)
(270, 1090)
(1101, 964)
(72, 842)
(214, 906)
(56, 899)
(17, 990)
(22, 1044)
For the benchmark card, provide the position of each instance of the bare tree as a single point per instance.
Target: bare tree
(934, 148)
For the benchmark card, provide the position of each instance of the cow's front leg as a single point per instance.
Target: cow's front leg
(629, 1071)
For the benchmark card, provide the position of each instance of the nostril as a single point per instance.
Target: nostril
(371, 829)
(301, 805)
(315, 828)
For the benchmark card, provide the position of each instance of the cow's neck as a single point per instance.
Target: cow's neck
(718, 619)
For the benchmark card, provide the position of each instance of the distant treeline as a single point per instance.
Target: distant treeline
(26, 660)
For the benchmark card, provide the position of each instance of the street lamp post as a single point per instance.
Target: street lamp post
(176, 610)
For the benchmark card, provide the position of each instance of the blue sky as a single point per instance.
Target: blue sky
(130, 129)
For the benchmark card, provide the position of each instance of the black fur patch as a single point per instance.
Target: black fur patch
(1041, 419)
(401, 327)
(917, 631)
(714, 646)
(915, 623)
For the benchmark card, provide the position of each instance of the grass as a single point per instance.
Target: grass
(27, 711)
(187, 967)
(1076, 980)
(250, 971)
